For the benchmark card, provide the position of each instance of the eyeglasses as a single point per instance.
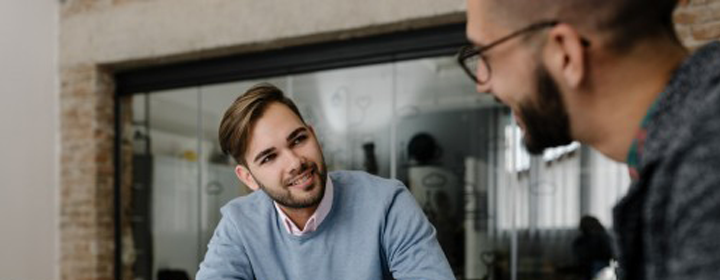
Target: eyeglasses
(471, 57)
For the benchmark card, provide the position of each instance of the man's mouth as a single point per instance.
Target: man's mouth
(303, 180)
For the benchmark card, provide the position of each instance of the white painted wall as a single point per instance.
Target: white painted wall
(28, 140)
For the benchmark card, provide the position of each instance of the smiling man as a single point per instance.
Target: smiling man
(303, 222)
(612, 74)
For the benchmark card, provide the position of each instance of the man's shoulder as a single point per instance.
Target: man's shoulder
(689, 108)
(355, 187)
(251, 206)
(701, 86)
(699, 123)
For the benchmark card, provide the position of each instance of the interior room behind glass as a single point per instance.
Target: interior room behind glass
(498, 213)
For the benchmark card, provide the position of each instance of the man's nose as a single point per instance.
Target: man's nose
(483, 77)
(296, 162)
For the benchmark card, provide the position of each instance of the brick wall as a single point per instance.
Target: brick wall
(86, 173)
(100, 35)
(87, 176)
(698, 21)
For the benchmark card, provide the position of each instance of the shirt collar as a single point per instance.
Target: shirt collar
(316, 219)
(638, 144)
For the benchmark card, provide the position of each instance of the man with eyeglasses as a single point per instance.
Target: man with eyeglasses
(613, 75)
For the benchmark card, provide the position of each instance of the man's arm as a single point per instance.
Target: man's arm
(410, 244)
(226, 258)
(694, 244)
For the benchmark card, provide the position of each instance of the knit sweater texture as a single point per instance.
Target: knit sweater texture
(375, 230)
(668, 225)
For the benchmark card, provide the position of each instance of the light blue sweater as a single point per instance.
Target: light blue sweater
(375, 230)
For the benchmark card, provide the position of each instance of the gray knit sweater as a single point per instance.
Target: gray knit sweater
(668, 225)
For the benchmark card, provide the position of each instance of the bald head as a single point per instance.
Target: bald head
(625, 22)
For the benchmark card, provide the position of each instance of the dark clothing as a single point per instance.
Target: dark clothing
(668, 225)
(593, 252)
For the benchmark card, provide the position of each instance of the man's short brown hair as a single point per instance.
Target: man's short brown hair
(626, 21)
(236, 125)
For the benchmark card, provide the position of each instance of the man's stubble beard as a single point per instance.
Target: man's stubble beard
(546, 120)
(285, 198)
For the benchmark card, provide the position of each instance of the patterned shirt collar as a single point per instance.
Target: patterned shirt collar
(638, 145)
(316, 219)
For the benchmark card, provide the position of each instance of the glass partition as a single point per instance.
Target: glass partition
(499, 213)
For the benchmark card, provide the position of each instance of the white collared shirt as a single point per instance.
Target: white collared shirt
(320, 213)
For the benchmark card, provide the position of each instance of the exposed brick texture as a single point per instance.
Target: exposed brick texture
(698, 21)
(86, 173)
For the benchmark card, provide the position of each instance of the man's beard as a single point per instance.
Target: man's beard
(546, 119)
(285, 198)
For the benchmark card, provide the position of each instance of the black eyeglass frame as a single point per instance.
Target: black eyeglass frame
(470, 50)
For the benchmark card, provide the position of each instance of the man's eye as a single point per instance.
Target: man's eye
(299, 139)
(267, 159)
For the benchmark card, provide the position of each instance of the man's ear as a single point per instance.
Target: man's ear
(565, 55)
(246, 177)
